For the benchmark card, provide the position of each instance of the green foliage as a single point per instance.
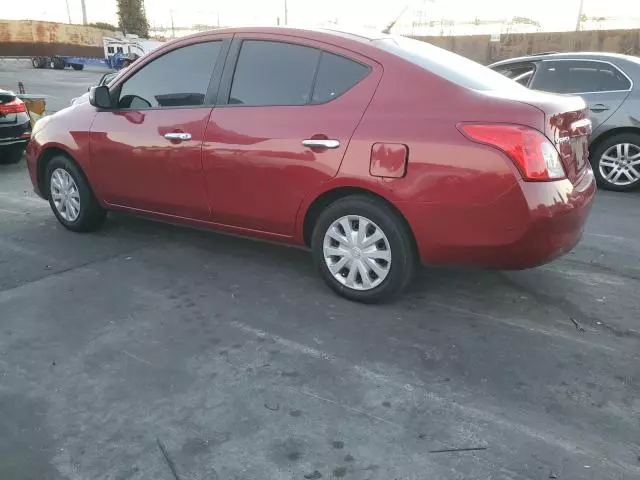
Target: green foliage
(104, 26)
(132, 18)
(525, 21)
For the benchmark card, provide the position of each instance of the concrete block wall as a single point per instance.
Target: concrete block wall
(481, 49)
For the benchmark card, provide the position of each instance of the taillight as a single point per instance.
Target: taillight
(533, 154)
(14, 106)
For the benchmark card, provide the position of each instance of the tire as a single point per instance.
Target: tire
(35, 62)
(605, 160)
(397, 244)
(90, 215)
(57, 63)
(77, 66)
(11, 155)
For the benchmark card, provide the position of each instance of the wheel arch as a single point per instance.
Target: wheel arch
(43, 160)
(607, 134)
(326, 198)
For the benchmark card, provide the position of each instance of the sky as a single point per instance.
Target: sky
(554, 15)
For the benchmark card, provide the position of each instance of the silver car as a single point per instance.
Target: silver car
(610, 84)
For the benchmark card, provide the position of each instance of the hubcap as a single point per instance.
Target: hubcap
(357, 252)
(65, 195)
(620, 164)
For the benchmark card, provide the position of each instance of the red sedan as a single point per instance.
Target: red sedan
(376, 152)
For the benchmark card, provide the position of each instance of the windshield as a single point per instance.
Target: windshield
(446, 64)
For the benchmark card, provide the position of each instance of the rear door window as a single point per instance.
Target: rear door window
(273, 73)
(179, 78)
(579, 76)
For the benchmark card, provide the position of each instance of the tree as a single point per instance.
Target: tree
(525, 21)
(104, 26)
(132, 18)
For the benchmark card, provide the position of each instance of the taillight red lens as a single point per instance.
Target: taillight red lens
(14, 106)
(533, 154)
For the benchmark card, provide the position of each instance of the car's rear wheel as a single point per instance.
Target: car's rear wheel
(71, 198)
(77, 66)
(616, 162)
(363, 249)
(11, 155)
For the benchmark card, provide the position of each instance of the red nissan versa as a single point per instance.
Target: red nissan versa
(375, 152)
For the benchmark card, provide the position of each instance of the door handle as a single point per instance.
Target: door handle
(599, 107)
(180, 136)
(320, 143)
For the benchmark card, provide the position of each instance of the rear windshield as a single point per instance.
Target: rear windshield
(446, 64)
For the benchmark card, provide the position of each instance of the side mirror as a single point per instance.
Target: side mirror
(100, 97)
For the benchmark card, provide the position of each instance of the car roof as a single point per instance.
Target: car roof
(364, 36)
(605, 56)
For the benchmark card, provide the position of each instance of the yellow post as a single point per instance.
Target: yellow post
(36, 106)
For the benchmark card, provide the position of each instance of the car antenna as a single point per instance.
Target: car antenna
(387, 29)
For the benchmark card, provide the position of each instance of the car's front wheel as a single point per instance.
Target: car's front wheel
(363, 249)
(616, 162)
(71, 198)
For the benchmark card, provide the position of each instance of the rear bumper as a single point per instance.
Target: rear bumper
(15, 135)
(531, 224)
(14, 142)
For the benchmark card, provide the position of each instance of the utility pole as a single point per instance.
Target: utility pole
(68, 11)
(286, 13)
(579, 20)
(84, 12)
(173, 29)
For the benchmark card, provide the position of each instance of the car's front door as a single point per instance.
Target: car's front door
(146, 152)
(286, 111)
(602, 85)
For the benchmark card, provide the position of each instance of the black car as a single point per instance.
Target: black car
(610, 85)
(15, 127)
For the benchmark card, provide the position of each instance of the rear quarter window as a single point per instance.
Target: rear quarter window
(335, 76)
(448, 65)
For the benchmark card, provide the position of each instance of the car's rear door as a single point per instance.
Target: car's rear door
(602, 85)
(285, 113)
(146, 152)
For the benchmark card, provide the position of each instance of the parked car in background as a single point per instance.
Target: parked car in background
(15, 127)
(375, 152)
(610, 84)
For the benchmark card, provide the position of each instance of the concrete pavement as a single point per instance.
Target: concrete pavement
(232, 357)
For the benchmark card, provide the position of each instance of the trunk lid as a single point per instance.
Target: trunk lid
(565, 123)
